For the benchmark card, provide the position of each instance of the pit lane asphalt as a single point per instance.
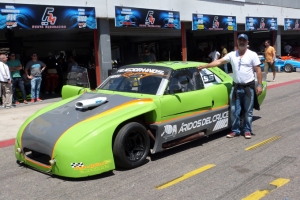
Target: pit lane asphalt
(237, 173)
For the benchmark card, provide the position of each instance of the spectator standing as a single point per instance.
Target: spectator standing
(72, 63)
(52, 74)
(27, 83)
(214, 55)
(147, 56)
(270, 55)
(287, 49)
(36, 68)
(223, 53)
(153, 57)
(244, 64)
(15, 68)
(5, 81)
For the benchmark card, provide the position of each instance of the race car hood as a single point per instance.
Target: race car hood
(42, 133)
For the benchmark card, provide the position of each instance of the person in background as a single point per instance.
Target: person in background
(36, 68)
(147, 56)
(5, 81)
(214, 55)
(52, 74)
(15, 66)
(72, 63)
(223, 53)
(153, 57)
(27, 83)
(243, 94)
(287, 49)
(270, 55)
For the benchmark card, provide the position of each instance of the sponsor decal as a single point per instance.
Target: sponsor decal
(92, 167)
(170, 131)
(209, 78)
(149, 18)
(220, 118)
(146, 70)
(48, 17)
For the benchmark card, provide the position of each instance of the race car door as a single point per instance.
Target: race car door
(185, 94)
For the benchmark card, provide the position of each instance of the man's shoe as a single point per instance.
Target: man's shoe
(39, 100)
(231, 135)
(17, 103)
(7, 107)
(32, 101)
(25, 102)
(248, 135)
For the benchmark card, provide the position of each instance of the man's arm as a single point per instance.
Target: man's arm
(213, 63)
(259, 79)
(17, 68)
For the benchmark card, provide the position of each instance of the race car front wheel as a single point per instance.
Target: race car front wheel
(288, 68)
(131, 146)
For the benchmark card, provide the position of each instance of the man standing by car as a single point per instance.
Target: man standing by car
(5, 81)
(244, 64)
(270, 55)
(36, 68)
(17, 81)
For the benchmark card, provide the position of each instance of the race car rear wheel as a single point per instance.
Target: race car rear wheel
(131, 145)
(288, 68)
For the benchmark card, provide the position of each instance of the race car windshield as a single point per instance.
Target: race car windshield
(136, 80)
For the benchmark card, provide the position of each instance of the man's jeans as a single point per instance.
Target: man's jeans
(35, 87)
(18, 82)
(242, 101)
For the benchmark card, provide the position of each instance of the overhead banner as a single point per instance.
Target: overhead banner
(213, 22)
(27, 16)
(261, 24)
(149, 18)
(291, 24)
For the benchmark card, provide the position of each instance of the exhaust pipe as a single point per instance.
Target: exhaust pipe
(85, 104)
(183, 140)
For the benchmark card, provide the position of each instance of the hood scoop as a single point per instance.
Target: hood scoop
(89, 103)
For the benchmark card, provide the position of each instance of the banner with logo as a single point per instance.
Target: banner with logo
(27, 16)
(291, 24)
(261, 24)
(149, 18)
(213, 22)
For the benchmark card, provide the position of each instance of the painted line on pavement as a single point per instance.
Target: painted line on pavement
(261, 193)
(272, 139)
(283, 84)
(7, 143)
(185, 176)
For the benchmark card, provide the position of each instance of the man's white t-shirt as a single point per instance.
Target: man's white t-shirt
(214, 55)
(243, 67)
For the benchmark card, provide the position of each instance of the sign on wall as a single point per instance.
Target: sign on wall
(291, 24)
(261, 24)
(213, 22)
(27, 16)
(150, 18)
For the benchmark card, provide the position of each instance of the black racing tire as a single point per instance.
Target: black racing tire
(288, 68)
(131, 146)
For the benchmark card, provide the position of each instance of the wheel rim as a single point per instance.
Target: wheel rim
(288, 68)
(135, 146)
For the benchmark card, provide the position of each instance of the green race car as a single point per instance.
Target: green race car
(141, 108)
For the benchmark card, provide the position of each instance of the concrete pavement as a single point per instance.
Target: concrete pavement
(12, 119)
